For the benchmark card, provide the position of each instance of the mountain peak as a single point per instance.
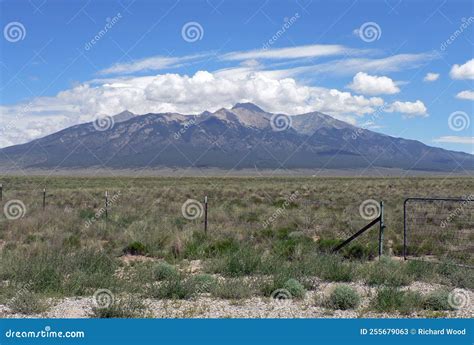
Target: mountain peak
(248, 106)
(124, 116)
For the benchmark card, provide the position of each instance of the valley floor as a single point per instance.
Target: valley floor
(267, 252)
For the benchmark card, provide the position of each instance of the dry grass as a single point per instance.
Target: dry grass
(273, 227)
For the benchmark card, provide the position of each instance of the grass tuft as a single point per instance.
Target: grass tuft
(343, 297)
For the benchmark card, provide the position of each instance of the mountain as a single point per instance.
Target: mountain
(123, 116)
(244, 136)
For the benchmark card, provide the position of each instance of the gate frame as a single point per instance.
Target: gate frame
(379, 219)
(460, 199)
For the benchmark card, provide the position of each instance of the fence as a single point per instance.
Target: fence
(434, 228)
(439, 229)
(378, 220)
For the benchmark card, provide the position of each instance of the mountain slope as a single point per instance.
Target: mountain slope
(241, 137)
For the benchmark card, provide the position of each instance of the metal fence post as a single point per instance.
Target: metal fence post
(405, 229)
(44, 198)
(1, 192)
(205, 214)
(382, 227)
(106, 205)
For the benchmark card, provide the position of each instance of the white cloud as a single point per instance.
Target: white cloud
(176, 93)
(249, 80)
(315, 50)
(348, 66)
(154, 63)
(410, 109)
(467, 94)
(431, 77)
(337, 67)
(465, 71)
(373, 85)
(157, 63)
(455, 140)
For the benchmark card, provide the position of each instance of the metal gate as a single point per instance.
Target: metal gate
(439, 229)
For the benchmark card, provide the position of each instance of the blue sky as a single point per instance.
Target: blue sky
(408, 74)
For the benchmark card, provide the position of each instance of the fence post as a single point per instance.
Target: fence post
(1, 192)
(382, 227)
(405, 229)
(205, 214)
(106, 205)
(44, 198)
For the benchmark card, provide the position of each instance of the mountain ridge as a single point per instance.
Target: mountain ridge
(242, 137)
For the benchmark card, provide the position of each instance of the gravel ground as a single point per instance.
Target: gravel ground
(257, 307)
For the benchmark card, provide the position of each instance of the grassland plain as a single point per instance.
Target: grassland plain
(267, 252)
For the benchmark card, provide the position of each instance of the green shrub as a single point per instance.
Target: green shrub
(245, 262)
(164, 270)
(174, 288)
(87, 214)
(136, 248)
(204, 283)
(343, 297)
(221, 247)
(124, 307)
(328, 245)
(333, 268)
(391, 299)
(285, 204)
(454, 275)
(387, 272)
(360, 252)
(27, 302)
(283, 233)
(292, 247)
(421, 270)
(233, 289)
(437, 300)
(295, 288)
(55, 271)
(73, 241)
(202, 246)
